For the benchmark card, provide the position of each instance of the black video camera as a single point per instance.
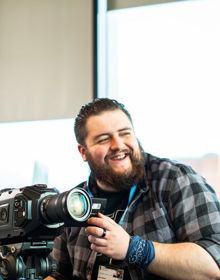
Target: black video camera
(35, 213)
(30, 218)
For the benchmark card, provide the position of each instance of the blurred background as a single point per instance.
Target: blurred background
(160, 58)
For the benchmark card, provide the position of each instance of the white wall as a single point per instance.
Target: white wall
(46, 58)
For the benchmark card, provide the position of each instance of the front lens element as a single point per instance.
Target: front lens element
(79, 205)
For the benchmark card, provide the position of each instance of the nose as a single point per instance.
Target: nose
(117, 143)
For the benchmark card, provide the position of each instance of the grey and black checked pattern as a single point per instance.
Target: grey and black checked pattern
(173, 204)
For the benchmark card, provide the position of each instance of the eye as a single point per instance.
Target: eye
(125, 133)
(102, 140)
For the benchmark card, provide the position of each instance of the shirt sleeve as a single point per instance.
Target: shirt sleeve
(196, 211)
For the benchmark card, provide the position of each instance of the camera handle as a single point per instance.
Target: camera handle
(26, 261)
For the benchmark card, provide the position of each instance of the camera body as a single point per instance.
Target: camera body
(36, 213)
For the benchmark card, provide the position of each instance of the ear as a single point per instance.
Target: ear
(82, 151)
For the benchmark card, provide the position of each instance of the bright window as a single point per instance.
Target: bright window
(163, 63)
(40, 152)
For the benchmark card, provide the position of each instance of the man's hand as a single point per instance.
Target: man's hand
(115, 242)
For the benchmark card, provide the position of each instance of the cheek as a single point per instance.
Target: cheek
(99, 154)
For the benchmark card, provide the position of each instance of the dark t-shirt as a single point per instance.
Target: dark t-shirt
(116, 205)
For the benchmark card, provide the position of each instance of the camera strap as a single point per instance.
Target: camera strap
(130, 198)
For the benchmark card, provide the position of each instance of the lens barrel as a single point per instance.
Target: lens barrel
(67, 207)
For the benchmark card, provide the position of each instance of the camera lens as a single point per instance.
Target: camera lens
(78, 205)
(67, 207)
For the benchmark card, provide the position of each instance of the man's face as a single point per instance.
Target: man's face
(112, 150)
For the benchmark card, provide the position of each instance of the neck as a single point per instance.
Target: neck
(105, 187)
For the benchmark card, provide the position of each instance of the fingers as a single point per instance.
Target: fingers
(97, 237)
(104, 217)
(98, 241)
(107, 218)
(101, 221)
(98, 226)
(104, 233)
(107, 237)
(96, 231)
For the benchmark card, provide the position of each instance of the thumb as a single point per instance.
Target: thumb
(100, 215)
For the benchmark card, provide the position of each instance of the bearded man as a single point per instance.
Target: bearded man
(162, 219)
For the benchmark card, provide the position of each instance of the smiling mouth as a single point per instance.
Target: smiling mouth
(118, 156)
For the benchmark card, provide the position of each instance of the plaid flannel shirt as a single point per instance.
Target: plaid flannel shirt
(173, 204)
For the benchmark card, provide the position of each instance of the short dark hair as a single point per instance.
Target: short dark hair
(94, 108)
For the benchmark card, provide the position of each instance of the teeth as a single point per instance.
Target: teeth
(119, 156)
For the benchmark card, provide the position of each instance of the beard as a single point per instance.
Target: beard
(119, 181)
